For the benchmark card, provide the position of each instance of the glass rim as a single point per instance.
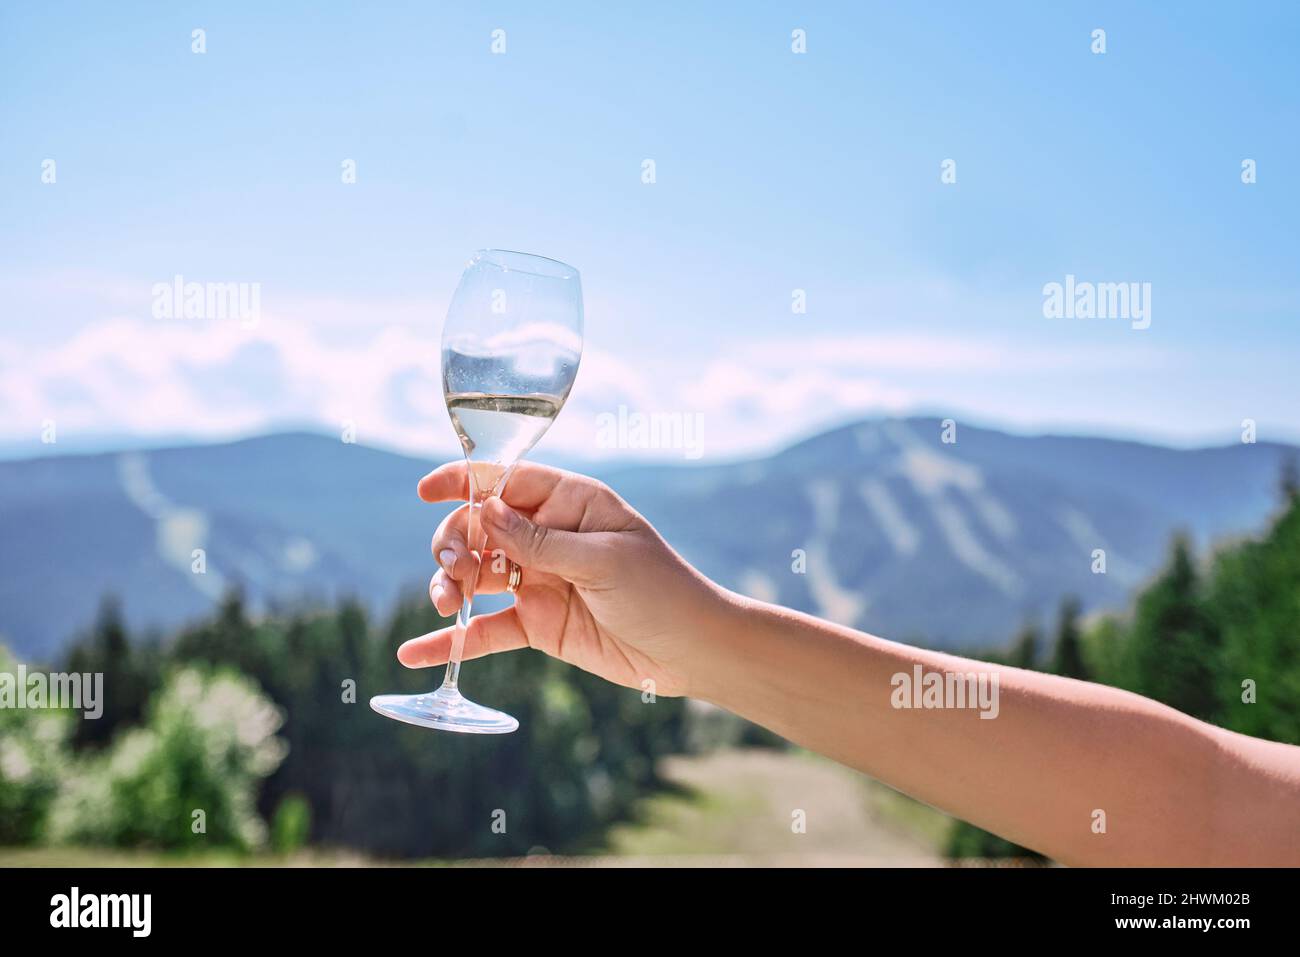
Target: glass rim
(509, 260)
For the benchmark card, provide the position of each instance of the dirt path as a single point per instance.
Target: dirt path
(742, 807)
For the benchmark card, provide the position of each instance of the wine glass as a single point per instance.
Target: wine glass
(510, 352)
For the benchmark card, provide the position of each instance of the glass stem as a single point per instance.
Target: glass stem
(476, 537)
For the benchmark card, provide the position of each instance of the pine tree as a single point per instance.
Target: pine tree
(128, 675)
(1175, 644)
(1106, 652)
(1024, 649)
(1067, 653)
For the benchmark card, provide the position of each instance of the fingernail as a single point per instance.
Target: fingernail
(448, 558)
(435, 593)
(409, 653)
(502, 516)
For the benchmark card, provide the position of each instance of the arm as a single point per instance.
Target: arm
(604, 592)
(1174, 791)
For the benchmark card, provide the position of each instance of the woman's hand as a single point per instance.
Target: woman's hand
(600, 589)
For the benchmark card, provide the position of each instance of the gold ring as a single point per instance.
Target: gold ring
(516, 576)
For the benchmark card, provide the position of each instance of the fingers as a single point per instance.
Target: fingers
(449, 546)
(528, 487)
(452, 551)
(487, 635)
(574, 556)
(446, 483)
(446, 594)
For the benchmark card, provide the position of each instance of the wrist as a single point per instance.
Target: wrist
(717, 655)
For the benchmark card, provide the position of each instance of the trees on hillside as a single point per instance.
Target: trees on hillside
(584, 753)
(1221, 643)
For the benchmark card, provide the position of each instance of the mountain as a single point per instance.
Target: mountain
(953, 545)
(880, 525)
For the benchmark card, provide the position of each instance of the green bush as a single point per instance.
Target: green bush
(187, 779)
(33, 752)
(291, 825)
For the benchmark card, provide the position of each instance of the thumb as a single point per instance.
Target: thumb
(549, 550)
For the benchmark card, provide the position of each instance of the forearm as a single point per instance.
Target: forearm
(1057, 756)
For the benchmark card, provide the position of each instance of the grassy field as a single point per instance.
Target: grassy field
(731, 807)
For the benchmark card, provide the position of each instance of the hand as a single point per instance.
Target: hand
(600, 589)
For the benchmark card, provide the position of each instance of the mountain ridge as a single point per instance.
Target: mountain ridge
(898, 532)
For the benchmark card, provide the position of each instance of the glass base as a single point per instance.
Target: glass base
(444, 710)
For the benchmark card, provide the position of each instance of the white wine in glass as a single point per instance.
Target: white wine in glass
(510, 352)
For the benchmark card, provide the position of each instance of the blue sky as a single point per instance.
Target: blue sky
(774, 171)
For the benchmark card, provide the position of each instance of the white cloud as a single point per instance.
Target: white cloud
(322, 363)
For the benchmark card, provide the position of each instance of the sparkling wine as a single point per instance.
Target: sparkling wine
(500, 429)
